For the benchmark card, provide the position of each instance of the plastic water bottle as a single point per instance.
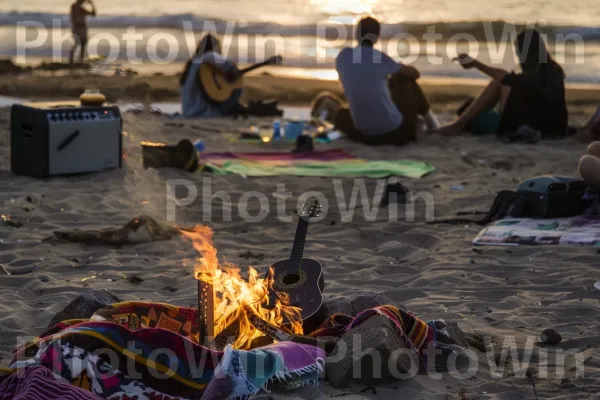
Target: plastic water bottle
(199, 145)
(276, 130)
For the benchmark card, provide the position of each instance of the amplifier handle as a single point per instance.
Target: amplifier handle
(68, 140)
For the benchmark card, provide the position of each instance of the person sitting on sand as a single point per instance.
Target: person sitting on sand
(194, 102)
(534, 98)
(589, 165)
(79, 29)
(591, 130)
(384, 97)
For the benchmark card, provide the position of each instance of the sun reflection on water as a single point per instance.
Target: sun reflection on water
(344, 7)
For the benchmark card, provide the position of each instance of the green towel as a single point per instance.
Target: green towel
(367, 169)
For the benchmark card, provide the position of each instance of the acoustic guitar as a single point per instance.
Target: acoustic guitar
(301, 279)
(215, 84)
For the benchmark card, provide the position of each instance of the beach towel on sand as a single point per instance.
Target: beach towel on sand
(364, 169)
(330, 163)
(580, 231)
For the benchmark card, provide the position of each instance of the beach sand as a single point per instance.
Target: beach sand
(432, 269)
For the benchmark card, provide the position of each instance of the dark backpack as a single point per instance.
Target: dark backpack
(539, 197)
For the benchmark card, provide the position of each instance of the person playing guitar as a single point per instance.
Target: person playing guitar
(194, 101)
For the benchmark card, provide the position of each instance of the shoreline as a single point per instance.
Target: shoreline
(442, 92)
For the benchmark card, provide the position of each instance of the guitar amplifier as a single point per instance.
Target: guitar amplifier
(64, 140)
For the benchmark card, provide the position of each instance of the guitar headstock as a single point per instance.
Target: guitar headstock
(310, 209)
(275, 60)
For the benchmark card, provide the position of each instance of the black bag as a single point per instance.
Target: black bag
(553, 197)
(539, 197)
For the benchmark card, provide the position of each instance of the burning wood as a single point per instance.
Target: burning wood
(235, 298)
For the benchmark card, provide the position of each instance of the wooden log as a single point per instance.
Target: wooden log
(371, 353)
(206, 311)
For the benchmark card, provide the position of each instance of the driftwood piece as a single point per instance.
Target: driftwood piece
(371, 353)
(140, 229)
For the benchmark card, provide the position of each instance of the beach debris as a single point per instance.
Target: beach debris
(8, 220)
(394, 192)
(85, 305)
(8, 67)
(135, 280)
(453, 341)
(456, 188)
(249, 254)
(304, 144)
(531, 373)
(550, 336)
(467, 158)
(181, 156)
(566, 383)
(379, 342)
(501, 164)
(597, 284)
(140, 229)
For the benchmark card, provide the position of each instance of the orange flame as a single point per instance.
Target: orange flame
(235, 296)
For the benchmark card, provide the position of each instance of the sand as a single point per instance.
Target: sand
(433, 269)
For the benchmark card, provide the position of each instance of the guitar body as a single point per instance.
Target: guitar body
(304, 289)
(217, 89)
(215, 86)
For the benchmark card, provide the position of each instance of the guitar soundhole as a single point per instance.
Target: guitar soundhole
(291, 279)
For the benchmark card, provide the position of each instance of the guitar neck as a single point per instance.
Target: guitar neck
(298, 247)
(255, 66)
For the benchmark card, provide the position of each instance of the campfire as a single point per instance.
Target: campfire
(234, 298)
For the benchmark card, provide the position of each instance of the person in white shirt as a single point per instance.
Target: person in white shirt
(385, 99)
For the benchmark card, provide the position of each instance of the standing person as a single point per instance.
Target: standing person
(384, 97)
(79, 28)
(534, 98)
(194, 102)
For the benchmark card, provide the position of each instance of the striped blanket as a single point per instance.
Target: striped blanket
(137, 358)
(148, 351)
(415, 331)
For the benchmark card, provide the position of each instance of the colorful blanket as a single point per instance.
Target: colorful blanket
(38, 383)
(330, 163)
(580, 231)
(146, 351)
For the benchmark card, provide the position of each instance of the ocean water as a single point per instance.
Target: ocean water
(309, 33)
